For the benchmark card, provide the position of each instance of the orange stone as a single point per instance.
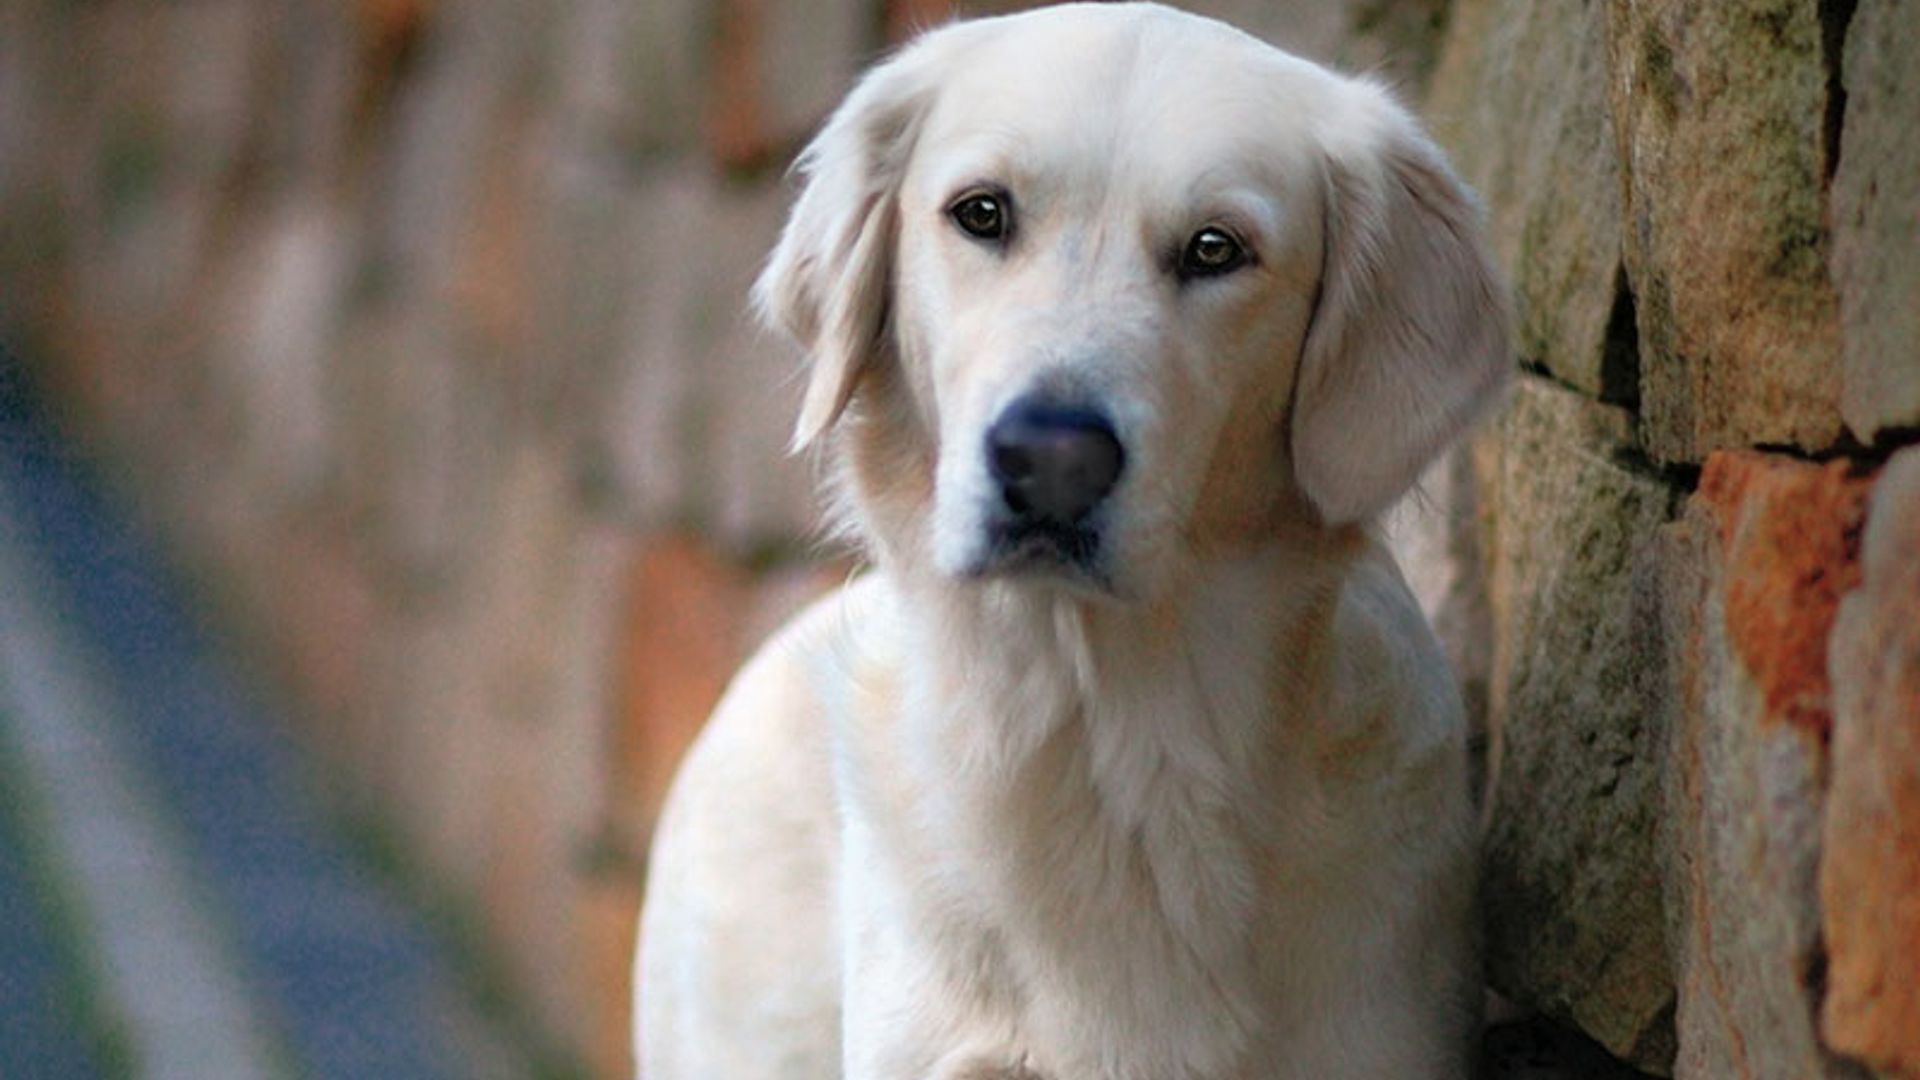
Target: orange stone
(682, 641)
(323, 611)
(737, 124)
(607, 929)
(391, 18)
(1870, 865)
(1790, 536)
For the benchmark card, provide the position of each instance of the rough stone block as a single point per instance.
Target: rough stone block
(1876, 220)
(696, 429)
(1789, 540)
(284, 310)
(1721, 115)
(649, 433)
(779, 68)
(319, 625)
(490, 283)
(1752, 575)
(493, 724)
(680, 642)
(472, 694)
(633, 77)
(443, 125)
(1520, 101)
(604, 959)
(1572, 890)
(1870, 869)
(429, 441)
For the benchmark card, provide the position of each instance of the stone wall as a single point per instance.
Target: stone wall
(416, 328)
(1697, 521)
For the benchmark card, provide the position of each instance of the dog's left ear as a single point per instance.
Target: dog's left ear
(829, 279)
(1409, 338)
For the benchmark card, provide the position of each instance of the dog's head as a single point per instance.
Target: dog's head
(1099, 290)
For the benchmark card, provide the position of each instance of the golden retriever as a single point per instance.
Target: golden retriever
(1131, 758)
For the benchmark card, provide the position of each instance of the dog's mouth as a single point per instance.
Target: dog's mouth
(1023, 548)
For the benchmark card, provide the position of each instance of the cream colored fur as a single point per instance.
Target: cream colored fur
(1205, 817)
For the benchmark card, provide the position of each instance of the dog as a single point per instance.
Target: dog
(1131, 757)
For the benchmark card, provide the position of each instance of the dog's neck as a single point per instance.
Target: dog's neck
(1025, 662)
(1110, 772)
(1000, 671)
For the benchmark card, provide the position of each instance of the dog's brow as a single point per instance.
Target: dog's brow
(1228, 196)
(980, 157)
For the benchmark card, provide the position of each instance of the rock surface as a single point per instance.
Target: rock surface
(1544, 162)
(779, 68)
(1876, 220)
(1870, 870)
(1767, 540)
(1573, 875)
(1720, 111)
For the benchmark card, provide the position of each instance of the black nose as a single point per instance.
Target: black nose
(1053, 462)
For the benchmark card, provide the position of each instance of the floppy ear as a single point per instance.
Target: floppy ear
(1408, 343)
(829, 279)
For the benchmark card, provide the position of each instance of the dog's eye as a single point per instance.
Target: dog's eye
(982, 215)
(1212, 251)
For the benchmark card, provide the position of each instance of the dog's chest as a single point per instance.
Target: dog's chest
(1092, 869)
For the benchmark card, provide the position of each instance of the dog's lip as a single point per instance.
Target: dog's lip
(1066, 553)
(1076, 544)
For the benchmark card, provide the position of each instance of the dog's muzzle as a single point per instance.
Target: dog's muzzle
(1054, 464)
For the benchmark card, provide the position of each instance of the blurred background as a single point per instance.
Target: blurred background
(390, 480)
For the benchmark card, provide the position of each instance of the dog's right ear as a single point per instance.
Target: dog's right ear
(829, 280)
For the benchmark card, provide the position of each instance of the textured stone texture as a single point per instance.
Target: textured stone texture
(631, 74)
(1876, 220)
(1870, 869)
(1790, 536)
(681, 640)
(1751, 576)
(1573, 891)
(703, 444)
(779, 69)
(603, 964)
(1720, 111)
(1520, 101)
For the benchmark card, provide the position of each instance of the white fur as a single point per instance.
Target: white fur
(1200, 816)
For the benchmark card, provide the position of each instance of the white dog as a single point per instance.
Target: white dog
(1132, 758)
